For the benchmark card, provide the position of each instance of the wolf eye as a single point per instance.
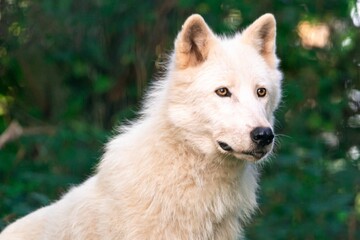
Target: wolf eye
(261, 92)
(223, 92)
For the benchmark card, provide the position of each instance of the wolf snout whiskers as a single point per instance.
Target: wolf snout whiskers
(261, 137)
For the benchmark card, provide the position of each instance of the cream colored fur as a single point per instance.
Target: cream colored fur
(165, 176)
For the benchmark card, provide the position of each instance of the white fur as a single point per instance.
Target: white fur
(164, 176)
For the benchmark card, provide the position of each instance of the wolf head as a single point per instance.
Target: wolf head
(223, 91)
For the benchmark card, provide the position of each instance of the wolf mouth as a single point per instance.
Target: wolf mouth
(255, 153)
(225, 146)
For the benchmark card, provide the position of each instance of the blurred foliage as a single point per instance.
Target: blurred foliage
(80, 67)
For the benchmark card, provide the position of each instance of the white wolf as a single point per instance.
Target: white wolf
(187, 168)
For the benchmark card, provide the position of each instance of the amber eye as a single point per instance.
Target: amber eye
(223, 92)
(261, 92)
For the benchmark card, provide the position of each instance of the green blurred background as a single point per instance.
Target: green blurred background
(71, 71)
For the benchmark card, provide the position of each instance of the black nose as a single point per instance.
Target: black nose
(262, 136)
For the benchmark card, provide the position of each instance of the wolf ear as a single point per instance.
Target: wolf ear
(261, 34)
(193, 42)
